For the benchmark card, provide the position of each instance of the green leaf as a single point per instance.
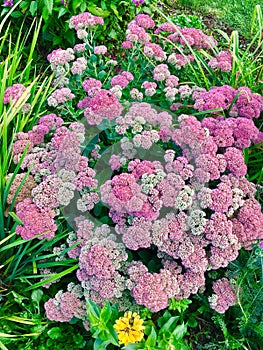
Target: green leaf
(93, 58)
(97, 11)
(54, 333)
(151, 340)
(49, 5)
(83, 7)
(180, 331)
(134, 347)
(169, 325)
(33, 7)
(23, 5)
(102, 75)
(16, 218)
(115, 11)
(105, 313)
(56, 40)
(16, 14)
(93, 312)
(36, 295)
(113, 34)
(100, 344)
(62, 11)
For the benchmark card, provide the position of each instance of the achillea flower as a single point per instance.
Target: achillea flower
(25, 190)
(35, 221)
(79, 66)
(127, 44)
(13, 93)
(120, 80)
(129, 328)
(154, 50)
(222, 61)
(224, 296)
(103, 104)
(144, 21)
(137, 33)
(60, 57)
(92, 86)
(100, 50)
(83, 20)
(60, 96)
(136, 94)
(79, 48)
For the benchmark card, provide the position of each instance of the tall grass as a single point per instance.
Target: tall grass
(234, 13)
(247, 63)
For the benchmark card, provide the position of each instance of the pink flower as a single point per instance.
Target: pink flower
(127, 44)
(224, 296)
(144, 21)
(13, 93)
(103, 104)
(120, 80)
(92, 86)
(35, 221)
(149, 292)
(100, 50)
(85, 19)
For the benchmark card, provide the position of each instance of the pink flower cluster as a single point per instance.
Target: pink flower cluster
(59, 169)
(79, 66)
(247, 105)
(238, 132)
(224, 296)
(136, 33)
(60, 96)
(124, 195)
(64, 307)
(39, 222)
(154, 50)
(192, 37)
(103, 104)
(91, 86)
(120, 80)
(13, 93)
(144, 21)
(179, 60)
(222, 61)
(161, 72)
(100, 50)
(84, 20)
(60, 57)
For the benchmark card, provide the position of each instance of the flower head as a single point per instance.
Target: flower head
(129, 328)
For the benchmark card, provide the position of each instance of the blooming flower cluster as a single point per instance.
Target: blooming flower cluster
(84, 20)
(191, 210)
(196, 209)
(65, 306)
(222, 61)
(13, 93)
(57, 171)
(60, 96)
(224, 296)
(247, 105)
(24, 192)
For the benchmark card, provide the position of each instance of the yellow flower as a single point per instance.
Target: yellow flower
(129, 328)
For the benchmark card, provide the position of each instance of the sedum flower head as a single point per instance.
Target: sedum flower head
(129, 328)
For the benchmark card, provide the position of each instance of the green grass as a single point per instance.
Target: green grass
(235, 13)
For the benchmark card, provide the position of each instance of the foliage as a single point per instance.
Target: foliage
(56, 14)
(236, 14)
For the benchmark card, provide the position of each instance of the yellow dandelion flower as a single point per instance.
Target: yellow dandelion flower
(129, 328)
